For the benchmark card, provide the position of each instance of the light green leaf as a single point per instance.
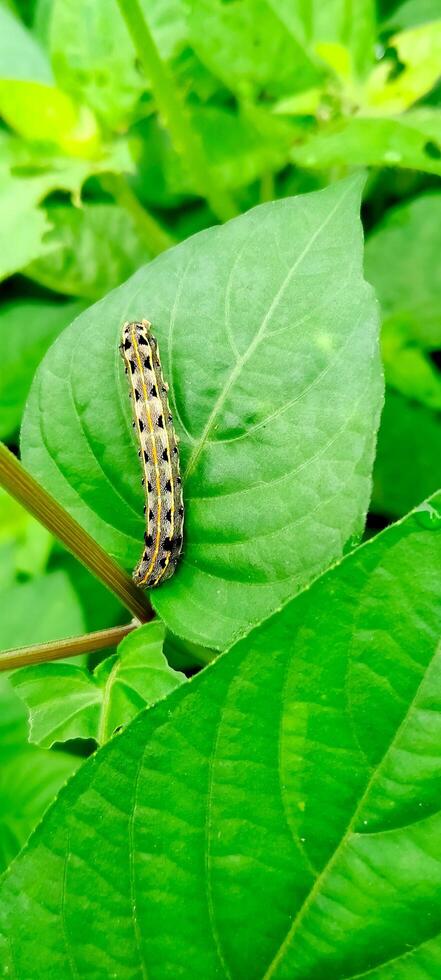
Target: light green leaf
(44, 113)
(90, 250)
(412, 140)
(27, 328)
(45, 608)
(26, 542)
(93, 56)
(66, 701)
(408, 461)
(402, 263)
(268, 336)
(278, 816)
(21, 57)
(29, 777)
(249, 49)
(419, 54)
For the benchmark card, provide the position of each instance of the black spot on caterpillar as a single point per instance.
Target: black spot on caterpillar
(160, 458)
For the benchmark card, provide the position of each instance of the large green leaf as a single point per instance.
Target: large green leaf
(91, 249)
(66, 701)
(408, 461)
(278, 816)
(268, 335)
(27, 328)
(402, 262)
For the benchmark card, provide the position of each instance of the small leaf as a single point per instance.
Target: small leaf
(268, 336)
(278, 816)
(67, 702)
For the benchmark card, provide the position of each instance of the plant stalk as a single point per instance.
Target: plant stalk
(174, 111)
(22, 486)
(42, 653)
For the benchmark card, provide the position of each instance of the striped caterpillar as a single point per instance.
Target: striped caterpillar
(159, 456)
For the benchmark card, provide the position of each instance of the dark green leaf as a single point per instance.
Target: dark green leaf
(408, 462)
(268, 336)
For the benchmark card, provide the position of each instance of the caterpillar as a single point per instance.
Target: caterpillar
(158, 451)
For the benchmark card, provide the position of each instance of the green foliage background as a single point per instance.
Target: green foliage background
(277, 813)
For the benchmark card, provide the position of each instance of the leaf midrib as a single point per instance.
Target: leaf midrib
(240, 364)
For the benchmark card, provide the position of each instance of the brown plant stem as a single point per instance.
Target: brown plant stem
(41, 653)
(22, 486)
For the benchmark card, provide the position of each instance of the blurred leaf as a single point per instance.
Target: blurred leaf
(29, 542)
(22, 223)
(407, 367)
(314, 22)
(277, 816)
(241, 146)
(408, 462)
(412, 140)
(25, 180)
(412, 13)
(402, 263)
(30, 778)
(27, 329)
(45, 608)
(268, 336)
(419, 53)
(45, 113)
(90, 250)
(21, 57)
(248, 47)
(101, 608)
(94, 59)
(66, 701)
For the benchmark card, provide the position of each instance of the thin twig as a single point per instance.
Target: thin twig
(36, 500)
(174, 112)
(41, 653)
